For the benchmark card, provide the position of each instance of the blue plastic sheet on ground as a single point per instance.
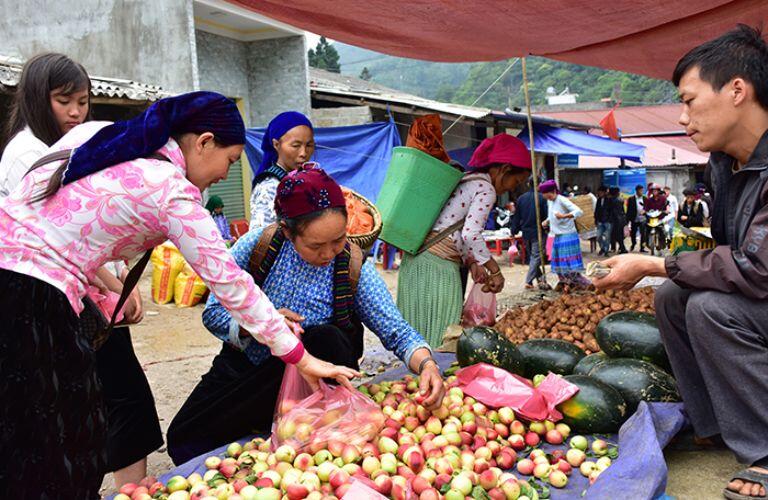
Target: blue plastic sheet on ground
(639, 472)
(356, 157)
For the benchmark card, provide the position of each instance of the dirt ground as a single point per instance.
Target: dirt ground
(175, 350)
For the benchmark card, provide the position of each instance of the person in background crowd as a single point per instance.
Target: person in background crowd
(307, 275)
(429, 284)
(52, 98)
(288, 143)
(566, 252)
(636, 217)
(656, 201)
(618, 220)
(525, 220)
(706, 200)
(587, 191)
(674, 205)
(126, 204)
(504, 215)
(691, 213)
(215, 207)
(712, 310)
(603, 220)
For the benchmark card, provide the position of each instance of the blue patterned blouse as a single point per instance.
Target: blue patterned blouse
(308, 290)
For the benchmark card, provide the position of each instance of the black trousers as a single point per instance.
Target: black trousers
(717, 344)
(237, 398)
(635, 228)
(52, 426)
(133, 428)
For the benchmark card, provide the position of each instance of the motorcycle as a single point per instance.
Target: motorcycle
(657, 236)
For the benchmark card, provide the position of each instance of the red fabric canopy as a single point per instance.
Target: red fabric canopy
(639, 36)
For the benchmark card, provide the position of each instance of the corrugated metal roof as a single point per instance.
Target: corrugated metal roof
(337, 84)
(10, 72)
(327, 82)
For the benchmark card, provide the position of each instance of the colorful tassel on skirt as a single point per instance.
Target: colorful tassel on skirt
(429, 295)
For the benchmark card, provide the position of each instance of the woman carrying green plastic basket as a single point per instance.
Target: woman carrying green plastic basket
(429, 284)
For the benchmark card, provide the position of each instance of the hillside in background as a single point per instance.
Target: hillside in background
(462, 83)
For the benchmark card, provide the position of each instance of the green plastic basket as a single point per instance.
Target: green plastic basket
(413, 195)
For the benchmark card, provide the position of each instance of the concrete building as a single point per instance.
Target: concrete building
(178, 45)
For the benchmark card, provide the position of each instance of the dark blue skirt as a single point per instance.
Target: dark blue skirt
(52, 426)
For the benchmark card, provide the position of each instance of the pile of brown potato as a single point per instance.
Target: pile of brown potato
(572, 317)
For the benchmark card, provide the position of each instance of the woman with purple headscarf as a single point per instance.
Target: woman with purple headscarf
(566, 252)
(288, 143)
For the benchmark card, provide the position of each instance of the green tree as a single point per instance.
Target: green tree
(324, 56)
(365, 74)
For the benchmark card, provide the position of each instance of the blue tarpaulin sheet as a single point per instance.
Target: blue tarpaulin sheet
(558, 141)
(356, 157)
(639, 472)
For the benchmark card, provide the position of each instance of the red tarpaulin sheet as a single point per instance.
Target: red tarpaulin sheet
(639, 36)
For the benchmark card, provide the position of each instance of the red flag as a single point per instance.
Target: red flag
(608, 124)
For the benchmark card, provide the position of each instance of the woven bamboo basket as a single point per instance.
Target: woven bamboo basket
(366, 240)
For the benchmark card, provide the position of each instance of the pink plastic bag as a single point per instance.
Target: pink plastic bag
(496, 387)
(106, 303)
(333, 413)
(480, 308)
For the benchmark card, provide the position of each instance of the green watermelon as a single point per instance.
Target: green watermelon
(549, 355)
(585, 365)
(481, 344)
(629, 334)
(636, 381)
(596, 408)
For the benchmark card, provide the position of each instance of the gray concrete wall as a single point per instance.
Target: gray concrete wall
(151, 41)
(222, 66)
(341, 117)
(278, 78)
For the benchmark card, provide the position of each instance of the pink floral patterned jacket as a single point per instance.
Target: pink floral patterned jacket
(117, 214)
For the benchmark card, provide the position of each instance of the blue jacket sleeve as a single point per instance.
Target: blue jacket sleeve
(216, 318)
(378, 311)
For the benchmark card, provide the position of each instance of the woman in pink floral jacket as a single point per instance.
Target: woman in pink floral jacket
(66, 219)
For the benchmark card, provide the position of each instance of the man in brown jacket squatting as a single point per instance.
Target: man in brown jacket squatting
(713, 312)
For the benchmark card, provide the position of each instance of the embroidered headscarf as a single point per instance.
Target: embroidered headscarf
(500, 149)
(307, 190)
(548, 186)
(277, 128)
(195, 112)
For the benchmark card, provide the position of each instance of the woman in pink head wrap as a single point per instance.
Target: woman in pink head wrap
(429, 284)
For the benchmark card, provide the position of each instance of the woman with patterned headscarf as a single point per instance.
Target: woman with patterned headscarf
(307, 267)
(112, 192)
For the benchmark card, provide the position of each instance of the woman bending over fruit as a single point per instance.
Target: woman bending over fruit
(310, 271)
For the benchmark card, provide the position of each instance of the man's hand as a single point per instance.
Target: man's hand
(545, 224)
(628, 269)
(561, 216)
(683, 217)
(431, 386)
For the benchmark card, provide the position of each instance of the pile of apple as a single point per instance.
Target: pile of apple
(463, 449)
